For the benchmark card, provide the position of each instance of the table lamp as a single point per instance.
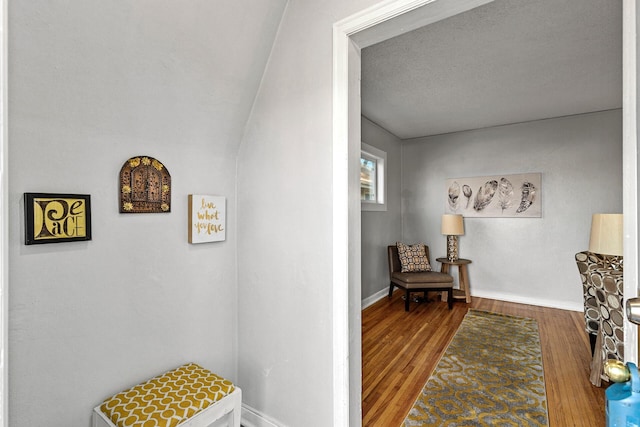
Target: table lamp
(606, 237)
(452, 227)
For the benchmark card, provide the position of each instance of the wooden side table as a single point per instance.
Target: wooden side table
(463, 277)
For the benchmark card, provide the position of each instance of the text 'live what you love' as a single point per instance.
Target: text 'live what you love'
(206, 218)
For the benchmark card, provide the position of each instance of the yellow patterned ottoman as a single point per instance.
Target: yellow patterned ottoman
(188, 396)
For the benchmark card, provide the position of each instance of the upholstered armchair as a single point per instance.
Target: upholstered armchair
(591, 313)
(602, 285)
(415, 274)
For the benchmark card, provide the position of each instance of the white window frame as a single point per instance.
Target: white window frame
(380, 204)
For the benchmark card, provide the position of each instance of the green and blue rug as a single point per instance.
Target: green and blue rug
(490, 375)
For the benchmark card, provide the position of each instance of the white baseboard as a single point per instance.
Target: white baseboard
(562, 305)
(496, 296)
(374, 298)
(251, 417)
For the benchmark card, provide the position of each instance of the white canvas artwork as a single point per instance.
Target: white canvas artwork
(508, 196)
(206, 218)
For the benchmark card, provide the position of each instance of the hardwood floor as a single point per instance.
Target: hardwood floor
(400, 350)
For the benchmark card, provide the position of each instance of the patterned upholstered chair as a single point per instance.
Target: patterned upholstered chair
(591, 312)
(602, 283)
(419, 279)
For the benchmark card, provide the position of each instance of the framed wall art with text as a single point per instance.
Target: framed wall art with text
(56, 218)
(207, 221)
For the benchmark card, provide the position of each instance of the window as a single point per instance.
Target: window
(372, 178)
(368, 177)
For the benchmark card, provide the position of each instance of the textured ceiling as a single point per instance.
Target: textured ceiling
(509, 61)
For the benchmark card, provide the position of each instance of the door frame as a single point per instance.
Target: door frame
(4, 221)
(383, 21)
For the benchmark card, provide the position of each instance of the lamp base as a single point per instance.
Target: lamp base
(614, 262)
(452, 248)
(609, 262)
(633, 310)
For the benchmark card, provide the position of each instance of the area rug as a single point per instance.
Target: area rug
(491, 374)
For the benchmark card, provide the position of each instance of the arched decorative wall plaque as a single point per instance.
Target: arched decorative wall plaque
(145, 186)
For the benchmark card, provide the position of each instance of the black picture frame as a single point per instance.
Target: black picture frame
(56, 218)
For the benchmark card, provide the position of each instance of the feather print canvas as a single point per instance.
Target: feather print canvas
(507, 196)
(505, 193)
(467, 191)
(485, 195)
(454, 195)
(528, 196)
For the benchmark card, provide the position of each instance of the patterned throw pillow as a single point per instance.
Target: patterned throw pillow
(413, 258)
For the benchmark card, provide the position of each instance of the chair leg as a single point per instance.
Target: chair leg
(390, 290)
(450, 298)
(592, 342)
(407, 299)
(597, 362)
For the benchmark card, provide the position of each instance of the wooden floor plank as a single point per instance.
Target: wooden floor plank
(400, 350)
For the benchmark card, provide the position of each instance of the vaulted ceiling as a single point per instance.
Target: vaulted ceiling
(508, 61)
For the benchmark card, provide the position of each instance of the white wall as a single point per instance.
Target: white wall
(285, 218)
(518, 259)
(380, 229)
(92, 83)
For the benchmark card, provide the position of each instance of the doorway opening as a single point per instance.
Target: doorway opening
(361, 30)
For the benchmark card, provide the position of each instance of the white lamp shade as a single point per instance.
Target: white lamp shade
(452, 225)
(606, 234)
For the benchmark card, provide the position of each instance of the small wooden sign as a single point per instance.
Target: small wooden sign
(145, 186)
(56, 218)
(206, 218)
